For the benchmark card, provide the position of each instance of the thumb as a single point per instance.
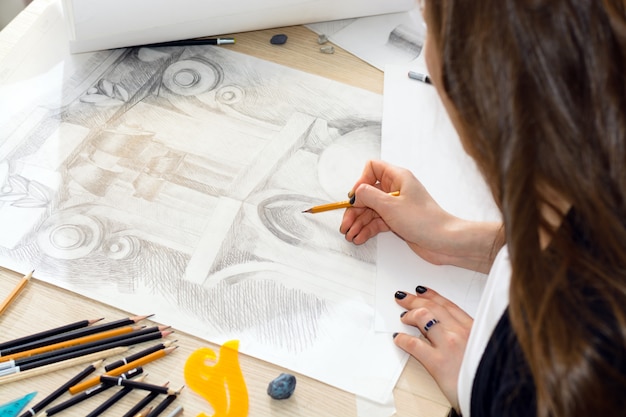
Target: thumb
(369, 196)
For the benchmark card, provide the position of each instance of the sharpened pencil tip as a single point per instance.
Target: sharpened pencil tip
(307, 211)
(139, 318)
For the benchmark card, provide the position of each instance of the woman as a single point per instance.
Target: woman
(536, 90)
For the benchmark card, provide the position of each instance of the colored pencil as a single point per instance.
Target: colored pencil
(137, 355)
(164, 404)
(71, 342)
(116, 380)
(87, 394)
(130, 321)
(42, 370)
(143, 403)
(16, 291)
(128, 339)
(117, 371)
(114, 398)
(47, 333)
(61, 390)
(338, 205)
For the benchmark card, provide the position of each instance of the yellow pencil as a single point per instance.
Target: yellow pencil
(338, 205)
(16, 291)
(120, 370)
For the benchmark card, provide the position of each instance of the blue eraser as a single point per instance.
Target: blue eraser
(282, 387)
(278, 39)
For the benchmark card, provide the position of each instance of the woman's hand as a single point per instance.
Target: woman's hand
(445, 328)
(431, 232)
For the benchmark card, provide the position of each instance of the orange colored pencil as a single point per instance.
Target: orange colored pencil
(16, 291)
(338, 205)
(71, 342)
(120, 370)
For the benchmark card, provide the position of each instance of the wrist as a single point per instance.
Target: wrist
(474, 245)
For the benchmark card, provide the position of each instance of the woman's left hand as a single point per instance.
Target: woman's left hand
(445, 328)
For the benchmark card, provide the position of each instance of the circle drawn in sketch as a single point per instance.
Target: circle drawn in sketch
(229, 94)
(192, 76)
(69, 236)
(121, 247)
(343, 161)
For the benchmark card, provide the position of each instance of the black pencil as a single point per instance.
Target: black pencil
(136, 356)
(47, 333)
(73, 335)
(62, 389)
(122, 382)
(190, 42)
(164, 404)
(89, 393)
(143, 403)
(113, 399)
(129, 339)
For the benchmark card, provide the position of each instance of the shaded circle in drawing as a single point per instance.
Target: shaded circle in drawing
(230, 94)
(69, 235)
(192, 76)
(121, 247)
(343, 161)
(277, 215)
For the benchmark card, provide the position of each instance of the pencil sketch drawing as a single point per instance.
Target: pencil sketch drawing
(174, 180)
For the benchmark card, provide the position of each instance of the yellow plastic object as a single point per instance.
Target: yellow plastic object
(221, 383)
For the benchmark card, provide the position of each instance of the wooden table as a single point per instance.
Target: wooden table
(42, 306)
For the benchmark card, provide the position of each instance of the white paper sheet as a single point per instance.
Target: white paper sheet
(417, 134)
(116, 166)
(390, 39)
(104, 24)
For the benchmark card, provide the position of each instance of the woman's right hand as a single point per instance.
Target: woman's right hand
(431, 232)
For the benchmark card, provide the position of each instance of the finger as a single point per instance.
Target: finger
(431, 299)
(366, 225)
(425, 320)
(415, 346)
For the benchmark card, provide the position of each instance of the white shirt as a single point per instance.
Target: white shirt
(493, 303)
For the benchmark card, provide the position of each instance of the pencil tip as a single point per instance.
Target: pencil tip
(139, 318)
(307, 211)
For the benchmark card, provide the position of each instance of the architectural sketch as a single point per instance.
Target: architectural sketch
(172, 181)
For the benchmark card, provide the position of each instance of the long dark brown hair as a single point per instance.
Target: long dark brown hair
(540, 89)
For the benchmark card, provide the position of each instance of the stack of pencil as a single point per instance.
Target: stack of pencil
(89, 341)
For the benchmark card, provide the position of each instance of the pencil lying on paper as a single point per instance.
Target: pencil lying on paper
(420, 77)
(16, 291)
(338, 205)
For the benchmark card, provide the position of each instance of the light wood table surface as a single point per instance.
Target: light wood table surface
(43, 306)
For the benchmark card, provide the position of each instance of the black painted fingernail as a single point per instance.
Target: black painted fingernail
(394, 335)
(420, 290)
(400, 295)
(352, 199)
(403, 313)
